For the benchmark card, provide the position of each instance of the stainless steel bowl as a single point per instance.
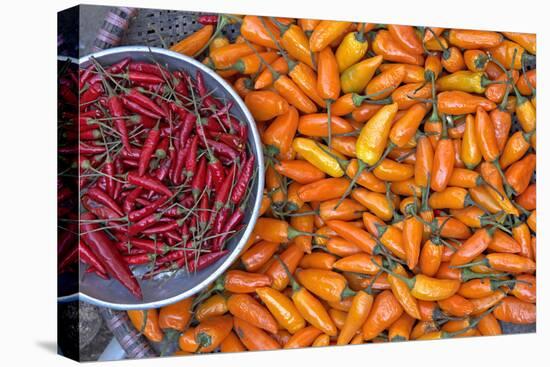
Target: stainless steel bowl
(165, 290)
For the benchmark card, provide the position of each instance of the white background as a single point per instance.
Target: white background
(28, 172)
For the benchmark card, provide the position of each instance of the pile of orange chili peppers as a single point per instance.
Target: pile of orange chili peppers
(410, 216)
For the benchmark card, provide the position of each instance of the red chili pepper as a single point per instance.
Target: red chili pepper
(90, 148)
(218, 173)
(149, 246)
(68, 259)
(68, 95)
(139, 109)
(143, 224)
(231, 224)
(204, 213)
(91, 94)
(103, 212)
(147, 68)
(148, 182)
(92, 270)
(113, 69)
(191, 158)
(162, 228)
(116, 109)
(88, 257)
(181, 157)
(208, 19)
(139, 214)
(220, 148)
(207, 100)
(222, 195)
(205, 260)
(239, 190)
(119, 170)
(109, 170)
(85, 75)
(199, 179)
(134, 95)
(233, 141)
(162, 171)
(103, 198)
(149, 147)
(188, 123)
(107, 254)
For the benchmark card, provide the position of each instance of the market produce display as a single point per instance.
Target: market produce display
(400, 198)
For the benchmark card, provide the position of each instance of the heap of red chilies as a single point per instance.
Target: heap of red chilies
(165, 170)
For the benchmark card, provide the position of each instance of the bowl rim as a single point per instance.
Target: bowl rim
(253, 131)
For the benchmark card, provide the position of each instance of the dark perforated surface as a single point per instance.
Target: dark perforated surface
(163, 28)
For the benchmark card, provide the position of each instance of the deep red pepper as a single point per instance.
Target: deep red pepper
(199, 179)
(130, 200)
(139, 227)
(191, 158)
(149, 147)
(204, 213)
(239, 190)
(187, 125)
(161, 150)
(116, 109)
(85, 75)
(119, 170)
(205, 260)
(148, 182)
(139, 259)
(137, 108)
(68, 259)
(148, 246)
(162, 228)
(113, 69)
(91, 94)
(222, 195)
(104, 198)
(218, 173)
(147, 68)
(208, 19)
(220, 148)
(230, 140)
(90, 148)
(183, 153)
(107, 254)
(162, 171)
(89, 258)
(143, 120)
(137, 215)
(109, 170)
(232, 222)
(136, 96)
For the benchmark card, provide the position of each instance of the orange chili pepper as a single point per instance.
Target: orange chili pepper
(193, 43)
(473, 39)
(527, 82)
(377, 203)
(325, 189)
(317, 125)
(400, 330)
(385, 83)
(475, 60)
(260, 31)
(225, 56)
(402, 292)
(253, 63)
(413, 230)
(308, 25)
(406, 127)
(147, 323)
(303, 338)
(280, 133)
(300, 171)
(516, 311)
(291, 258)
(356, 317)
(295, 42)
(327, 285)
(386, 45)
(353, 234)
(216, 305)
(456, 305)
(303, 223)
(253, 337)
(409, 94)
(519, 174)
(294, 95)
(211, 332)
(459, 103)
(430, 258)
(282, 308)
(526, 40)
(384, 312)
(176, 316)
(187, 342)
(480, 196)
(472, 247)
(489, 326)
(265, 79)
(247, 308)
(318, 260)
(528, 198)
(238, 281)
(232, 344)
(341, 210)
(325, 32)
(243, 86)
(495, 188)
(452, 60)
(265, 105)
(407, 38)
(507, 51)
(360, 263)
(340, 247)
(356, 169)
(254, 258)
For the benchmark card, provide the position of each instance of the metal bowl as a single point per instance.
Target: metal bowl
(164, 290)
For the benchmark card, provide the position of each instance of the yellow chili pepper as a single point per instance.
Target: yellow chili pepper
(356, 77)
(463, 80)
(318, 155)
(352, 49)
(374, 135)
(325, 32)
